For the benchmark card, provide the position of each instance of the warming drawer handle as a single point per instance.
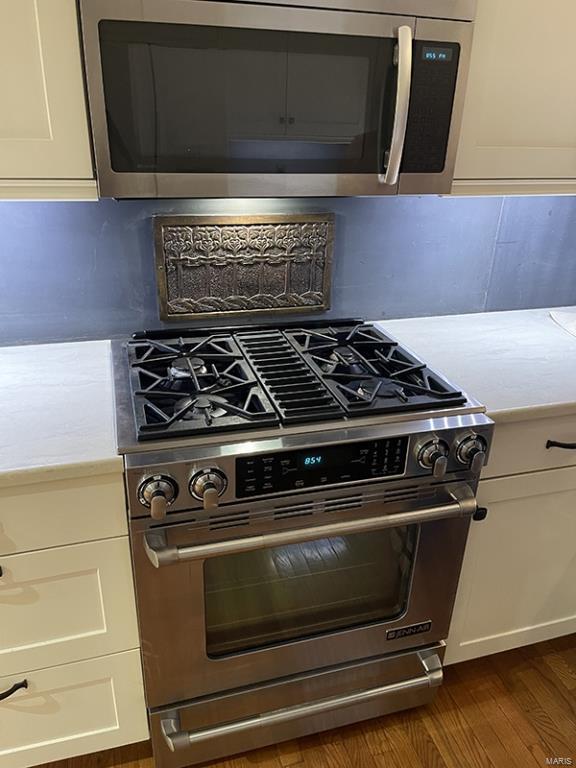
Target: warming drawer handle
(401, 109)
(565, 446)
(178, 740)
(160, 553)
(16, 687)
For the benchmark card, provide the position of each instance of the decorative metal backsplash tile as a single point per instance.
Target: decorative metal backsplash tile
(243, 264)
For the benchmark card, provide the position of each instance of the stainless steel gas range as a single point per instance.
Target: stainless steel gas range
(300, 498)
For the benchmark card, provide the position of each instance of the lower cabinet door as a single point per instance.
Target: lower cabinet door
(66, 604)
(518, 579)
(72, 710)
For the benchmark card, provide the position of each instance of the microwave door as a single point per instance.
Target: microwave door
(202, 99)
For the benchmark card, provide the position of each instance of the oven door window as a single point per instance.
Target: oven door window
(258, 599)
(200, 99)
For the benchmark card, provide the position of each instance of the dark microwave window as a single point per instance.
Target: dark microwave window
(199, 99)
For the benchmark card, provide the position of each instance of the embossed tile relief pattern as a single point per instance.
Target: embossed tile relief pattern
(244, 266)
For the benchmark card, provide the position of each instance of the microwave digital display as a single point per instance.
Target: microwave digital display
(436, 54)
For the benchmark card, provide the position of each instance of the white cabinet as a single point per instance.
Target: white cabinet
(72, 710)
(520, 446)
(56, 512)
(517, 583)
(44, 137)
(519, 126)
(66, 604)
(67, 620)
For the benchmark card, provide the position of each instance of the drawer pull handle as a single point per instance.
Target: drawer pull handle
(15, 687)
(565, 446)
(177, 740)
(159, 553)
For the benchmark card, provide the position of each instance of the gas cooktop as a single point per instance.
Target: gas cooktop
(215, 380)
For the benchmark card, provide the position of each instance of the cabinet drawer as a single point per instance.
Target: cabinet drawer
(65, 604)
(60, 512)
(520, 446)
(72, 710)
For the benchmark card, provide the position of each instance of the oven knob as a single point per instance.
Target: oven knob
(434, 456)
(157, 493)
(472, 452)
(207, 486)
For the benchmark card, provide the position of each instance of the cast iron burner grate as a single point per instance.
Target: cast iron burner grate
(237, 379)
(369, 373)
(194, 385)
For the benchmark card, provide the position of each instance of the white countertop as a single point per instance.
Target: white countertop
(519, 364)
(56, 412)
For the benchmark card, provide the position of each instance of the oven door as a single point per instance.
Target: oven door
(191, 98)
(218, 614)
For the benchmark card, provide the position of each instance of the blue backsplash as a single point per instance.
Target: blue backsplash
(86, 270)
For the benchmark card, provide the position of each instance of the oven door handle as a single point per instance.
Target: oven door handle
(178, 740)
(401, 109)
(160, 553)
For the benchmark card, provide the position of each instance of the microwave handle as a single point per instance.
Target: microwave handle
(401, 110)
(160, 553)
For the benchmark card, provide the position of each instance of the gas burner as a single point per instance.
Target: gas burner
(368, 372)
(340, 360)
(192, 385)
(186, 367)
(207, 407)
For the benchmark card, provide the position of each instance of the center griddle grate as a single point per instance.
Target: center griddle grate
(298, 393)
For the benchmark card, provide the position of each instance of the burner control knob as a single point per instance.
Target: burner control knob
(434, 456)
(157, 493)
(472, 452)
(207, 486)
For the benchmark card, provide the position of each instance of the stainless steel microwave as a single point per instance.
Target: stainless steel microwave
(194, 98)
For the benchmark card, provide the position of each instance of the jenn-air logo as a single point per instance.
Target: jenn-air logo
(413, 629)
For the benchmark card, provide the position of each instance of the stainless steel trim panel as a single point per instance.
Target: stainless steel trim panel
(184, 463)
(178, 740)
(459, 10)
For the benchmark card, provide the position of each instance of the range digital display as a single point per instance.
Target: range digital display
(323, 458)
(312, 461)
(430, 53)
(326, 465)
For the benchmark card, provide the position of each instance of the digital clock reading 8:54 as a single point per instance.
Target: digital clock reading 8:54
(312, 461)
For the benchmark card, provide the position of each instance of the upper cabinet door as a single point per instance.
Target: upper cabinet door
(43, 120)
(520, 112)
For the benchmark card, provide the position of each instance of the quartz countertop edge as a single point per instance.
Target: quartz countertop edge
(56, 412)
(56, 472)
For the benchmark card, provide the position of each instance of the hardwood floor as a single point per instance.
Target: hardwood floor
(513, 709)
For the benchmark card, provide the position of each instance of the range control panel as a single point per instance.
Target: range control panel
(292, 470)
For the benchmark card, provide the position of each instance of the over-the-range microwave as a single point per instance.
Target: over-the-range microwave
(195, 98)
